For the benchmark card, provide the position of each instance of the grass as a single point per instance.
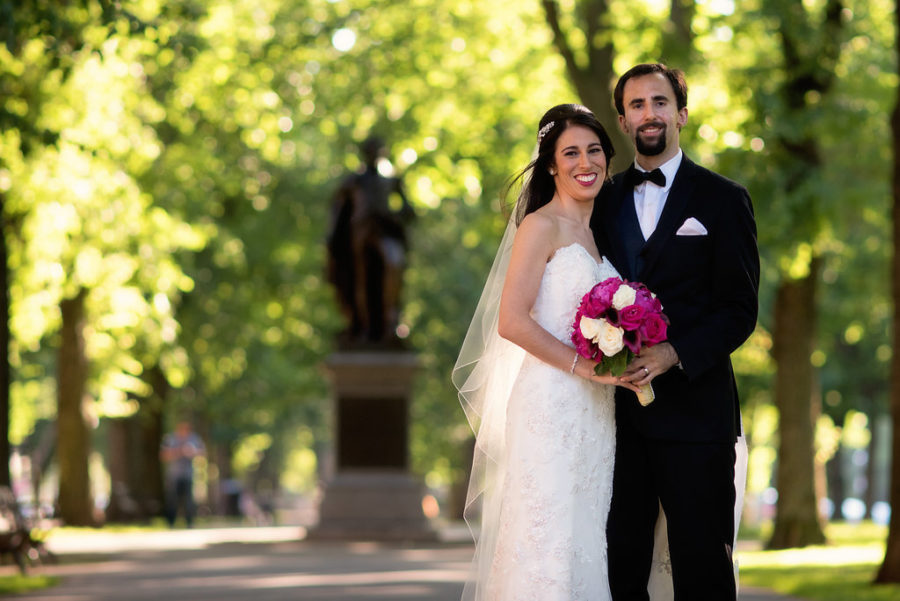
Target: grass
(12, 585)
(842, 570)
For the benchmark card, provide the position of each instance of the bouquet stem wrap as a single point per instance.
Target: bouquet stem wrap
(646, 395)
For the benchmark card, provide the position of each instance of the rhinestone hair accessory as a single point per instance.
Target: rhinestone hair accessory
(543, 131)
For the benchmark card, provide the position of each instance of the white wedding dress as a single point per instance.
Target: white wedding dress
(559, 454)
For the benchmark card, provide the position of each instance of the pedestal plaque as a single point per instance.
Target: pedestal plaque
(372, 496)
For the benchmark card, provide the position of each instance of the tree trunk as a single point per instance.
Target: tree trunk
(5, 479)
(797, 522)
(122, 506)
(890, 568)
(834, 471)
(678, 37)
(152, 493)
(73, 442)
(224, 488)
(808, 68)
(870, 497)
(595, 81)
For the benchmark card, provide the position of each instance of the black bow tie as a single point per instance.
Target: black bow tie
(635, 177)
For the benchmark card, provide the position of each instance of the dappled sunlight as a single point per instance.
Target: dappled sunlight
(823, 556)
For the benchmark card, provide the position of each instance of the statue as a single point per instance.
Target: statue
(367, 250)
(372, 494)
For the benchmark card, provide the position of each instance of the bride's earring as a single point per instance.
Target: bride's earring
(552, 171)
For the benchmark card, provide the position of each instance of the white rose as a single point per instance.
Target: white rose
(610, 339)
(590, 328)
(623, 297)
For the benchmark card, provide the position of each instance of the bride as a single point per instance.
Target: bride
(542, 475)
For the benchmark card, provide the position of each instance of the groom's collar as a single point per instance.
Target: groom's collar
(669, 168)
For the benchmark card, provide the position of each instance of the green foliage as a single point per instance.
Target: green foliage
(843, 211)
(81, 219)
(178, 159)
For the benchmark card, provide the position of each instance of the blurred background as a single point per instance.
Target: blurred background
(166, 175)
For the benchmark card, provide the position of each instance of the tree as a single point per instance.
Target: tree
(593, 76)
(810, 48)
(812, 201)
(890, 567)
(18, 25)
(586, 39)
(94, 273)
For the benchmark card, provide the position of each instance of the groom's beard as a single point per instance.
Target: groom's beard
(649, 149)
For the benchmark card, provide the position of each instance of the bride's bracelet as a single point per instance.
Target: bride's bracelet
(574, 363)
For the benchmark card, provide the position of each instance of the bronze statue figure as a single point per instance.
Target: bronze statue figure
(367, 247)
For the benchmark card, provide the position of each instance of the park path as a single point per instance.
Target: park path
(257, 564)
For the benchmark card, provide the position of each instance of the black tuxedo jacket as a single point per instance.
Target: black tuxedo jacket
(708, 287)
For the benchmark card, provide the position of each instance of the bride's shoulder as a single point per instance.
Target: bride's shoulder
(538, 223)
(537, 233)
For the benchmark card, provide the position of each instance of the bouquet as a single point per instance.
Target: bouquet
(614, 321)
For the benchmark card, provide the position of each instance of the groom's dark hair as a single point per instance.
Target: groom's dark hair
(675, 77)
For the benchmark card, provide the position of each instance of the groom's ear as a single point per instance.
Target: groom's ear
(623, 125)
(682, 118)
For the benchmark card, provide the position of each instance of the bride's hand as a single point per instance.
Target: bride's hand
(612, 380)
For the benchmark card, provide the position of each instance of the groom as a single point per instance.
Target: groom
(689, 235)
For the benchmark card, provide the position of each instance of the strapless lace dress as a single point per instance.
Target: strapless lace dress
(560, 449)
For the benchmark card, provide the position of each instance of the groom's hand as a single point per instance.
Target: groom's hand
(653, 361)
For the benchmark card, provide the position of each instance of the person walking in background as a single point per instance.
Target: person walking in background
(177, 452)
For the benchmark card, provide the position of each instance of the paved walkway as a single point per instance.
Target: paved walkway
(257, 564)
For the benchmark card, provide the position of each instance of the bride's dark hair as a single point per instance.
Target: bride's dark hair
(539, 187)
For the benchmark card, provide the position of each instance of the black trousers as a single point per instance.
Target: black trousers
(695, 484)
(180, 491)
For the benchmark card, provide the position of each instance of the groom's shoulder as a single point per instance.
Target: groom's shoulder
(615, 185)
(712, 180)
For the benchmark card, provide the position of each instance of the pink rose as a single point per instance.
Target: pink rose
(654, 329)
(648, 301)
(583, 346)
(631, 317)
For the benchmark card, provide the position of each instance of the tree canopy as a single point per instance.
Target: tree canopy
(172, 164)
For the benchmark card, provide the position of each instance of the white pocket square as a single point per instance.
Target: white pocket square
(691, 227)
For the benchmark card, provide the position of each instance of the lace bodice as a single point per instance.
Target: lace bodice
(569, 274)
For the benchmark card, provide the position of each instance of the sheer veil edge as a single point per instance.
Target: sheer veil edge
(484, 374)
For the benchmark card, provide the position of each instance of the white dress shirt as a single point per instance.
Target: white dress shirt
(649, 199)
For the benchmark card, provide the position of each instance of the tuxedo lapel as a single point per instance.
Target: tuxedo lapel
(611, 222)
(671, 217)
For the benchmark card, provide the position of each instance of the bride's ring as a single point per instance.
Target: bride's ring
(646, 372)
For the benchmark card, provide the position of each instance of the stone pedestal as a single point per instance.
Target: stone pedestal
(373, 495)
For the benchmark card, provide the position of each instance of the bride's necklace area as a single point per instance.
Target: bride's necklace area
(578, 227)
(569, 211)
